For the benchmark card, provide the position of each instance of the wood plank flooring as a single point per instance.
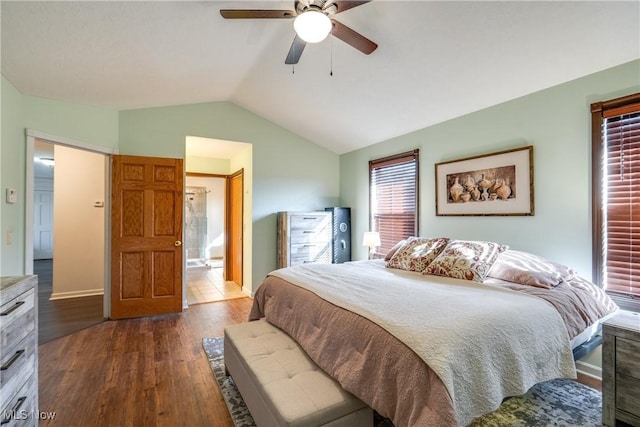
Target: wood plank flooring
(138, 372)
(62, 317)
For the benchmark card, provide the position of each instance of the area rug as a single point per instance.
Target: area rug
(558, 402)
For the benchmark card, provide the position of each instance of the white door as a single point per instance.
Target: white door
(43, 225)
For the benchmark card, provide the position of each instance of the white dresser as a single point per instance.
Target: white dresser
(18, 351)
(304, 237)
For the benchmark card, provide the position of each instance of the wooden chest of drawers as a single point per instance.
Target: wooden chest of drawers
(18, 351)
(304, 237)
(621, 370)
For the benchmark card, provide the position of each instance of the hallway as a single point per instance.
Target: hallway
(64, 316)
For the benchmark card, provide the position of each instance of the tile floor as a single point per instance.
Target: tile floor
(207, 285)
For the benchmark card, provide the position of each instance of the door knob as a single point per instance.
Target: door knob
(177, 243)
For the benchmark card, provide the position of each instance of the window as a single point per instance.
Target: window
(393, 188)
(616, 198)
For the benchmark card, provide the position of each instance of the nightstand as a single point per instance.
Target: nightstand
(621, 369)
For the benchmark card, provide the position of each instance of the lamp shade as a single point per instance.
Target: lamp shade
(312, 26)
(371, 239)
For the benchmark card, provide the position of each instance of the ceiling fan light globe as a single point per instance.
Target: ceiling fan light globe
(312, 26)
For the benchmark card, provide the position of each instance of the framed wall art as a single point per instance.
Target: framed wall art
(498, 184)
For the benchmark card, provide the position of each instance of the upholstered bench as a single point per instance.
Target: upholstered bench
(282, 386)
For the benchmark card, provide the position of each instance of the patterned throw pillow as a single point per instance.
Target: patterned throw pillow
(463, 259)
(417, 253)
(394, 249)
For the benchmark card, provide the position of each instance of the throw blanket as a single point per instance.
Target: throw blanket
(580, 303)
(485, 343)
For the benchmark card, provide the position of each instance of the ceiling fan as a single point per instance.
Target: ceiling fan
(313, 23)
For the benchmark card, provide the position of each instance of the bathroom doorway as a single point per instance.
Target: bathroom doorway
(204, 221)
(205, 204)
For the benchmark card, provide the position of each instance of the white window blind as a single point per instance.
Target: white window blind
(394, 198)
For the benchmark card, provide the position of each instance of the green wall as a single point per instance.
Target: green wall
(556, 121)
(12, 176)
(287, 172)
(277, 159)
(90, 125)
(208, 165)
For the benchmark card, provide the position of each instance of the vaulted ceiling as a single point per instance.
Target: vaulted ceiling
(435, 60)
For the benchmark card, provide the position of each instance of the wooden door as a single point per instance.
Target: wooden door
(146, 236)
(234, 228)
(43, 224)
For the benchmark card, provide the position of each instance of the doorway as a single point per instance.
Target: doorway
(204, 220)
(208, 268)
(67, 194)
(204, 235)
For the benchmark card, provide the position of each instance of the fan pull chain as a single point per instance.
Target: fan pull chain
(331, 63)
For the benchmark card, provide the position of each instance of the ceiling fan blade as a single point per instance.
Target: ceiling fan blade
(295, 51)
(346, 5)
(256, 14)
(353, 38)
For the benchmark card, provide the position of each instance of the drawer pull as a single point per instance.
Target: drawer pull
(309, 217)
(12, 360)
(10, 310)
(14, 410)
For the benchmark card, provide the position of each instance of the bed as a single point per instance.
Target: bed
(442, 330)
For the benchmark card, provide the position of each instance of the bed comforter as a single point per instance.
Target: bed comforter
(365, 359)
(380, 333)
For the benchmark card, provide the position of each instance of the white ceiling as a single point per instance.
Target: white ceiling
(435, 61)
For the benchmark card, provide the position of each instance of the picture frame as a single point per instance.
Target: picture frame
(495, 184)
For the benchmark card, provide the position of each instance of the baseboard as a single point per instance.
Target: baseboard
(76, 294)
(590, 370)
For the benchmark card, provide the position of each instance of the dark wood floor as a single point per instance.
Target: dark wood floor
(62, 317)
(138, 372)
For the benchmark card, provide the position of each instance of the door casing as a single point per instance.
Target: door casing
(31, 136)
